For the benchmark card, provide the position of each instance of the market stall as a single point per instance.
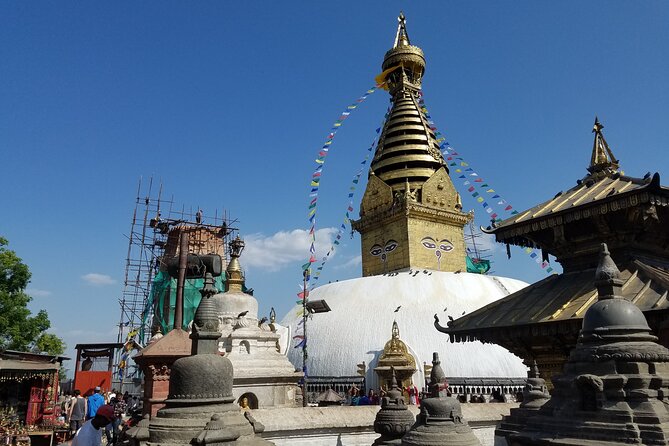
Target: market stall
(29, 412)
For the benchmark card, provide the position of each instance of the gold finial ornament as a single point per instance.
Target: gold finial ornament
(602, 159)
(409, 197)
(234, 280)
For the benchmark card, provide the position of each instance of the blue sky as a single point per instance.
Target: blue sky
(227, 103)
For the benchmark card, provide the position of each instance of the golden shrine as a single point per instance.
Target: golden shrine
(395, 356)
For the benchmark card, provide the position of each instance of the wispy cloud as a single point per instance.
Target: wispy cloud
(484, 243)
(35, 292)
(278, 250)
(98, 279)
(352, 262)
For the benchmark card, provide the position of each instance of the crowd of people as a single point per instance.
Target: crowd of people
(357, 397)
(89, 417)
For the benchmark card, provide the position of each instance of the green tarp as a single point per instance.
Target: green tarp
(479, 266)
(163, 298)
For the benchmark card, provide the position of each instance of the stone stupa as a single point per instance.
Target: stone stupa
(200, 407)
(440, 422)
(615, 385)
(535, 395)
(394, 419)
(263, 376)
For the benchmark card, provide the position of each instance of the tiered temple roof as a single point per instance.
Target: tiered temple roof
(630, 214)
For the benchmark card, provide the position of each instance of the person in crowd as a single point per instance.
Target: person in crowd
(77, 411)
(351, 395)
(120, 409)
(373, 398)
(412, 391)
(95, 401)
(89, 434)
(363, 400)
(355, 399)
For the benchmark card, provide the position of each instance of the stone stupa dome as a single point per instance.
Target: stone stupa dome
(362, 315)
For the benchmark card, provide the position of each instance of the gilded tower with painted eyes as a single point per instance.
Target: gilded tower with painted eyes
(410, 215)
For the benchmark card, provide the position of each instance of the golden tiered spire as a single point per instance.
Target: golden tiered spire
(410, 201)
(402, 37)
(407, 148)
(602, 159)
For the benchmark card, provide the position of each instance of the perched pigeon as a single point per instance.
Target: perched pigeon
(243, 313)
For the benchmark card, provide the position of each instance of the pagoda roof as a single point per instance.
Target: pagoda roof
(604, 189)
(606, 192)
(556, 304)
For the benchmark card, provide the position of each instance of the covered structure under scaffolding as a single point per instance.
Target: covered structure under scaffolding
(147, 302)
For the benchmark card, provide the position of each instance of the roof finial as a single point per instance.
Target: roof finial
(395, 331)
(402, 37)
(602, 158)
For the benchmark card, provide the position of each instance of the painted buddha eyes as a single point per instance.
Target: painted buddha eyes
(391, 245)
(378, 250)
(443, 245)
(428, 243)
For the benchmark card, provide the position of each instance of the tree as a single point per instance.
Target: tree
(19, 329)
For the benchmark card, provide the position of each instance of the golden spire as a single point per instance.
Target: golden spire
(234, 279)
(409, 195)
(407, 151)
(402, 37)
(602, 159)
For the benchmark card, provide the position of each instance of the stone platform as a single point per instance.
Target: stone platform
(354, 426)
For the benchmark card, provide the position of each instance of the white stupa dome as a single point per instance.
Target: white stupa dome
(362, 315)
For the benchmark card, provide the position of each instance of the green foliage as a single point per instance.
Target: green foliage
(19, 329)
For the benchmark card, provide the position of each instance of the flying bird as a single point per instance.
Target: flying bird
(424, 271)
(397, 309)
(445, 309)
(414, 274)
(463, 313)
(243, 313)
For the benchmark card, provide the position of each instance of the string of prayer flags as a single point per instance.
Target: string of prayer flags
(471, 180)
(349, 207)
(320, 161)
(315, 184)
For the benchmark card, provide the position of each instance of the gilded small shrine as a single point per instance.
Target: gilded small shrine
(395, 361)
(541, 322)
(410, 215)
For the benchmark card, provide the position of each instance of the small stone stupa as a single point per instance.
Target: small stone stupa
(263, 375)
(394, 419)
(614, 389)
(535, 395)
(440, 422)
(199, 408)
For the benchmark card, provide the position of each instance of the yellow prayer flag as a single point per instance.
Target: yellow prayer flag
(381, 78)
